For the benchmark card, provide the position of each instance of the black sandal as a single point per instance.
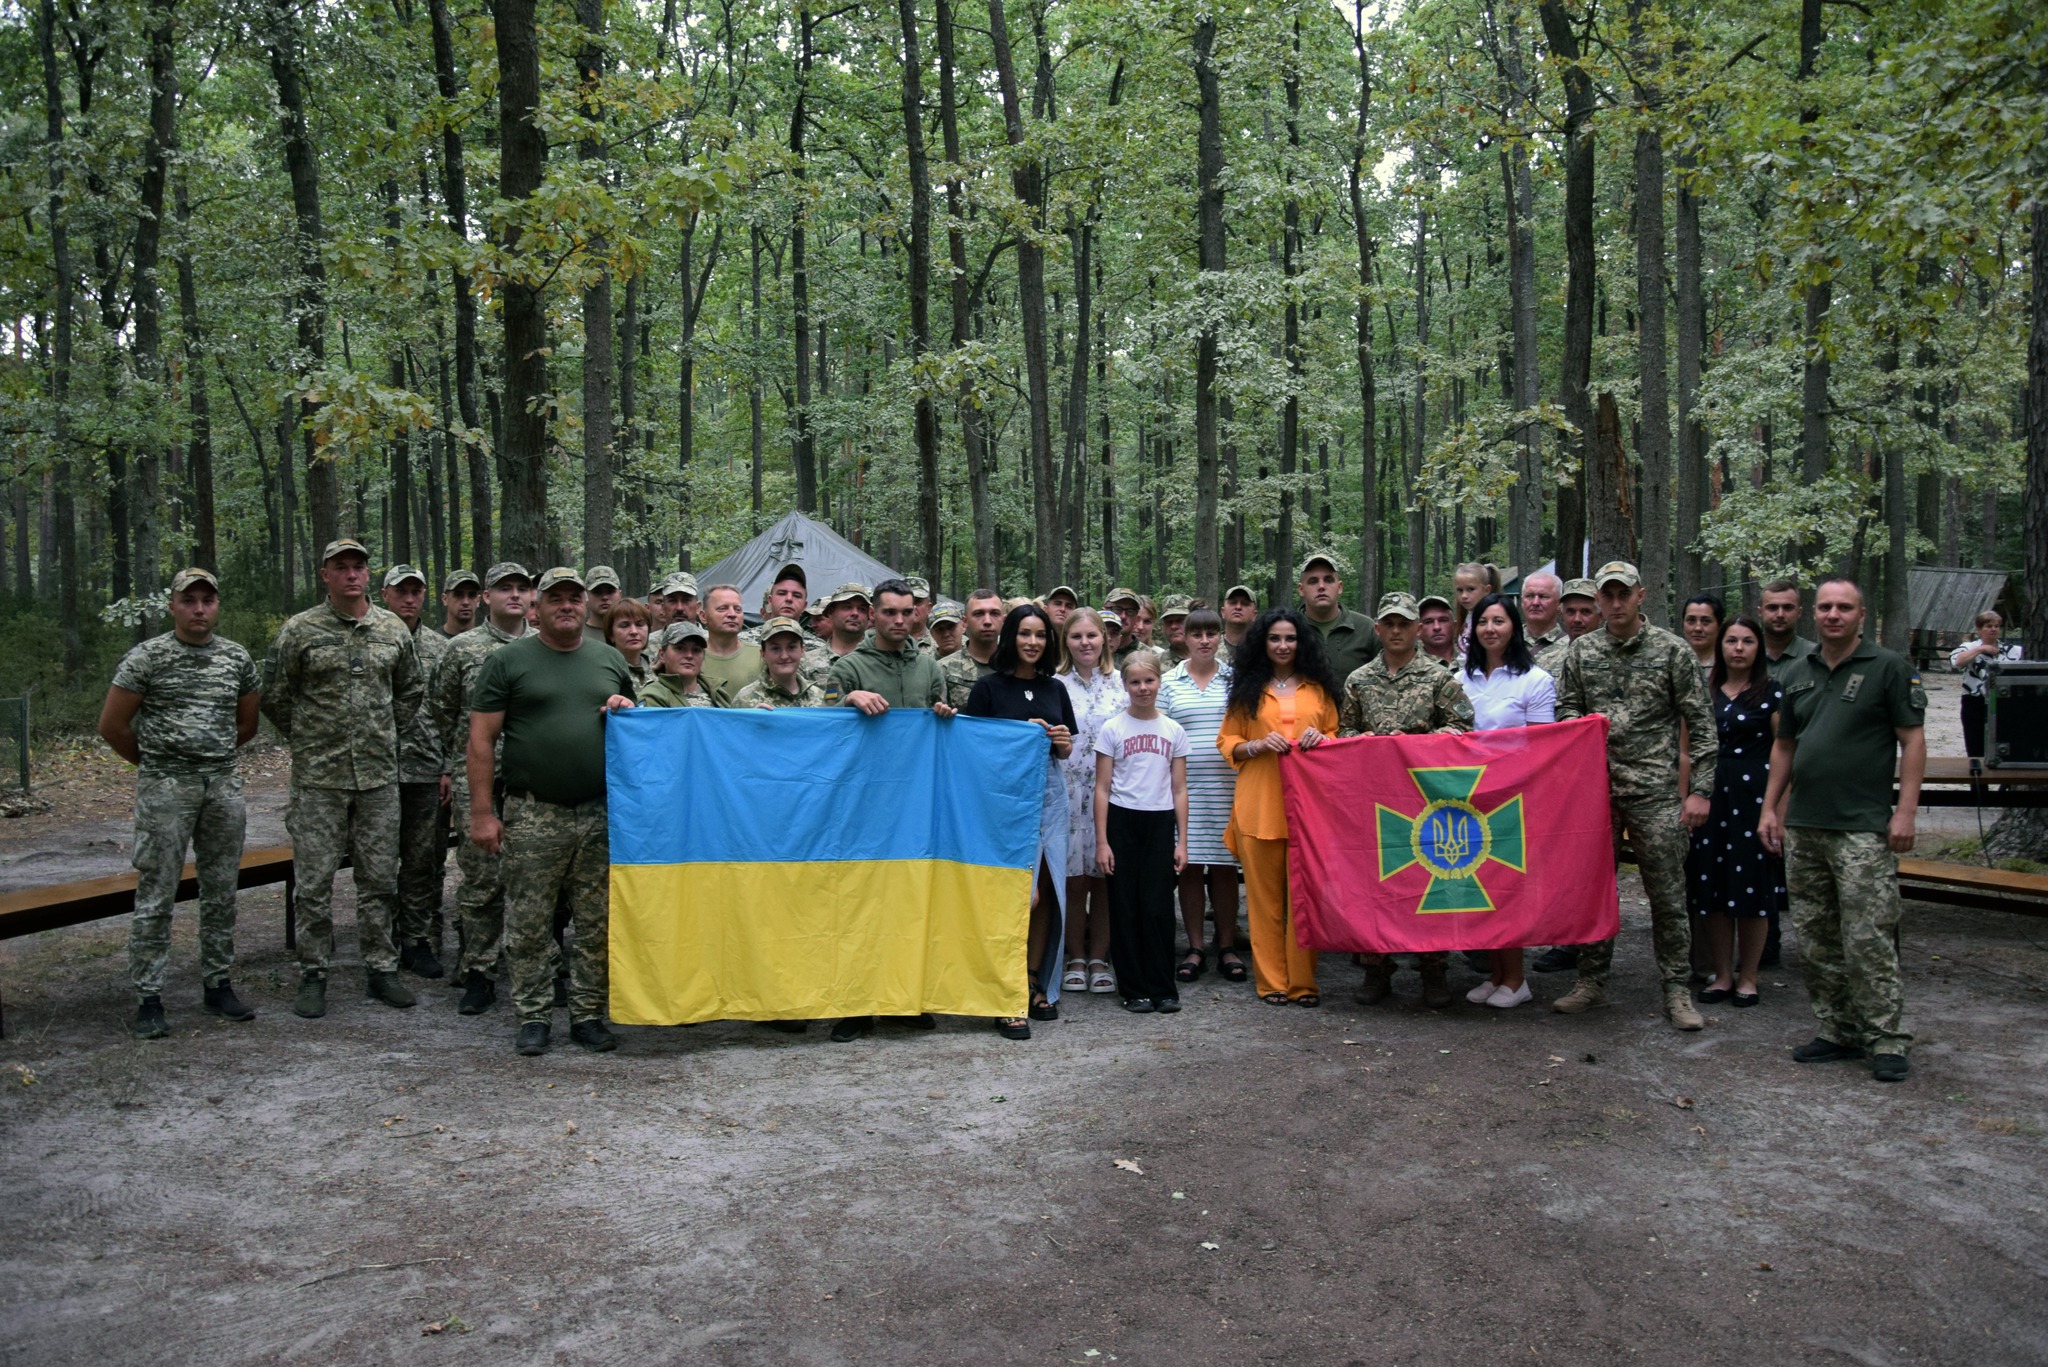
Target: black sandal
(1233, 970)
(1312, 999)
(1043, 1010)
(1275, 999)
(1192, 967)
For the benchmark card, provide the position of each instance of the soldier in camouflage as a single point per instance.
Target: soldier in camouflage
(341, 683)
(1400, 692)
(678, 679)
(1852, 710)
(848, 609)
(782, 682)
(1645, 681)
(920, 623)
(180, 706)
(461, 591)
(480, 901)
(945, 629)
(786, 596)
(1578, 613)
(965, 667)
(1173, 618)
(1540, 600)
(423, 789)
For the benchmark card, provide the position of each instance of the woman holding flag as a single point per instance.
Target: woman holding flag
(1282, 695)
(1506, 688)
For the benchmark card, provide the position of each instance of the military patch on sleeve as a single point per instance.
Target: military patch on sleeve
(833, 697)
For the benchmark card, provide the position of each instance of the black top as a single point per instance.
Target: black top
(1009, 698)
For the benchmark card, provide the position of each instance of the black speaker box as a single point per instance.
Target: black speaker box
(2016, 715)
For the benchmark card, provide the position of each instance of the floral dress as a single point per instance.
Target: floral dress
(1095, 701)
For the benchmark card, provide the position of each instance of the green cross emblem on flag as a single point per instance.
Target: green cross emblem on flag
(1451, 838)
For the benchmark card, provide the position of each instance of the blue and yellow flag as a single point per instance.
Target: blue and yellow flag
(810, 863)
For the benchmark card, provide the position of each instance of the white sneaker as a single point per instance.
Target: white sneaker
(1505, 997)
(1482, 993)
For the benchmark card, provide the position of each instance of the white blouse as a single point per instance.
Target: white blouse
(1501, 699)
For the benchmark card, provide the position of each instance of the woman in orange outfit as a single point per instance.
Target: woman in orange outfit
(1282, 695)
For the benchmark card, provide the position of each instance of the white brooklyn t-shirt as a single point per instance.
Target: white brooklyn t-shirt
(1142, 755)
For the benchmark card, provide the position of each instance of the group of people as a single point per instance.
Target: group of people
(1751, 771)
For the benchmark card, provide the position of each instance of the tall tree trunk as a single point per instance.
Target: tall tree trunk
(1290, 343)
(199, 449)
(1111, 564)
(522, 158)
(1369, 539)
(1691, 472)
(309, 302)
(754, 374)
(1813, 389)
(1608, 507)
(1418, 516)
(64, 518)
(148, 309)
(1209, 182)
(1027, 182)
(1076, 425)
(455, 195)
(2034, 537)
(1577, 367)
(982, 509)
(920, 267)
(1518, 194)
(598, 432)
(804, 453)
(1653, 513)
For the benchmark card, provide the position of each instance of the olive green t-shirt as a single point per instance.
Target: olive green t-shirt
(553, 701)
(1845, 721)
(725, 676)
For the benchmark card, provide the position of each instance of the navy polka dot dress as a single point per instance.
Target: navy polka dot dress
(1728, 870)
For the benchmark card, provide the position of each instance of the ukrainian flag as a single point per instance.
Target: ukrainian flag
(813, 862)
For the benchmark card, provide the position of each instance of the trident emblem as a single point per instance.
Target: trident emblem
(1451, 838)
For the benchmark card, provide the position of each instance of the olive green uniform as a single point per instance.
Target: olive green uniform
(904, 678)
(1348, 639)
(666, 690)
(962, 672)
(763, 692)
(422, 834)
(480, 901)
(725, 675)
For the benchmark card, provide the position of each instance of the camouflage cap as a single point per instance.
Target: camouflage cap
(1235, 589)
(560, 574)
(1338, 565)
(846, 593)
(1057, 589)
(779, 626)
(1398, 604)
(601, 577)
(920, 587)
(457, 578)
(506, 569)
(1617, 572)
(398, 574)
(1579, 588)
(679, 582)
(815, 608)
(1118, 595)
(344, 545)
(185, 579)
(675, 633)
(945, 612)
(1436, 598)
(1175, 605)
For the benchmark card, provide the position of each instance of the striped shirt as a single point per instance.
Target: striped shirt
(1212, 783)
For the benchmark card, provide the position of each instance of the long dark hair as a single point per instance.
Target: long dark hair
(1516, 659)
(1252, 671)
(1005, 660)
(1759, 677)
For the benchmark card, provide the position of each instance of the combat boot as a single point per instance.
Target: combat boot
(386, 988)
(1679, 1010)
(478, 993)
(594, 1035)
(222, 1001)
(1379, 981)
(1583, 997)
(1436, 989)
(533, 1039)
(418, 958)
(312, 999)
(149, 1022)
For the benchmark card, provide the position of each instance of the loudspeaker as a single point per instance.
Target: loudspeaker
(2016, 715)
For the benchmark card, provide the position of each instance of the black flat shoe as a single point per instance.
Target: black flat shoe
(1139, 1006)
(1745, 998)
(1713, 996)
(1166, 1006)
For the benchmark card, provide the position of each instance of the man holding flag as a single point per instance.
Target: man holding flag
(1645, 681)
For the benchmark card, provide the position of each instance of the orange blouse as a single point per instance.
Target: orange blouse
(1258, 810)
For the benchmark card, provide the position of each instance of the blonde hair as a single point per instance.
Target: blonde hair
(1074, 619)
(1988, 616)
(1144, 658)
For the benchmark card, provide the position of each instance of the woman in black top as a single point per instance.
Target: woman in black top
(1023, 688)
(1731, 880)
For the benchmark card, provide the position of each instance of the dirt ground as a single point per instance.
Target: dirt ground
(1344, 1185)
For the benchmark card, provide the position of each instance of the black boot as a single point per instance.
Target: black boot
(149, 1022)
(387, 988)
(594, 1035)
(418, 959)
(478, 993)
(222, 1001)
(533, 1039)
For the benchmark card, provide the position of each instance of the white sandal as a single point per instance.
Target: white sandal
(1100, 979)
(1075, 979)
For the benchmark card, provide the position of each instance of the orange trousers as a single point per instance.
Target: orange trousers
(1279, 963)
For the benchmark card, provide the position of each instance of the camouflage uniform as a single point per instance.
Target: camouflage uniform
(762, 692)
(665, 690)
(480, 901)
(1645, 686)
(552, 850)
(1844, 891)
(818, 660)
(187, 792)
(1549, 646)
(422, 838)
(962, 672)
(1420, 699)
(341, 690)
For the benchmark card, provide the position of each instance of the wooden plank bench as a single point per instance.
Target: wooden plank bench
(95, 899)
(1972, 885)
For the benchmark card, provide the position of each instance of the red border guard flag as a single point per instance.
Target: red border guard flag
(1486, 840)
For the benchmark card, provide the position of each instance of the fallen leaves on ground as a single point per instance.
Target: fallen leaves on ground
(1130, 1165)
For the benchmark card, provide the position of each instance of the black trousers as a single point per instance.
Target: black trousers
(1141, 909)
(1973, 725)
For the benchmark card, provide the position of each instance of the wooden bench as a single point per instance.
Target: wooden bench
(1972, 885)
(95, 899)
